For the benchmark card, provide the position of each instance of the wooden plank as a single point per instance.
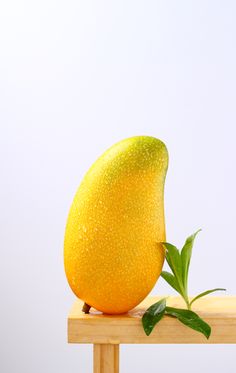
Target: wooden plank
(105, 358)
(98, 328)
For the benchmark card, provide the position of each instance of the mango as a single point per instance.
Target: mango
(112, 251)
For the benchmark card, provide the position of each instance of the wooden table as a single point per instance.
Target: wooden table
(107, 332)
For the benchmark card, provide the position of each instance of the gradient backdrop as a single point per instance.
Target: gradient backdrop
(76, 77)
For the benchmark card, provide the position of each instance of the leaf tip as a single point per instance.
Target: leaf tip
(199, 230)
(208, 334)
(147, 332)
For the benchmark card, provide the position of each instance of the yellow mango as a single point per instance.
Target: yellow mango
(112, 251)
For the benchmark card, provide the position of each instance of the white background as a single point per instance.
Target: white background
(76, 77)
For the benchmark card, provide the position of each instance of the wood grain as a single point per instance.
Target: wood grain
(98, 328)
(105, 358)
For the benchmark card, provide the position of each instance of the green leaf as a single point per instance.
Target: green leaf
(152, 315)
(205, 293)
(191, 319)
(171, 280)
(186, 254)
(173, 258)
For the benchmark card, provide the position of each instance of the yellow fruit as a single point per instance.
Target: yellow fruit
(112, 251)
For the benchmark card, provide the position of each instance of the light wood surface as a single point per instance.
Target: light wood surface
(98, 328)
(105, 358)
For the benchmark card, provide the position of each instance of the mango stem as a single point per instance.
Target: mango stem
(86, 308)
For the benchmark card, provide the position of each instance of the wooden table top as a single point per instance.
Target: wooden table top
(96, 327)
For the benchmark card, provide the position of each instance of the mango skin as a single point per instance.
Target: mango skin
(112, 251)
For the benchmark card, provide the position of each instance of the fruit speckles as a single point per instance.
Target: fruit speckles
(112, 256)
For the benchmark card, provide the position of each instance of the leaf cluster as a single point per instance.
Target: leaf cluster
(179, 262)
(155, 313)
